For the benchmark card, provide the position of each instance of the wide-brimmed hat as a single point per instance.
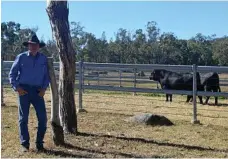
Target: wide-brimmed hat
(34, 40)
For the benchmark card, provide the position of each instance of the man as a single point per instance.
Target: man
(29, 78)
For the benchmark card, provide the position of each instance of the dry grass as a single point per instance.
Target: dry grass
(104, 133)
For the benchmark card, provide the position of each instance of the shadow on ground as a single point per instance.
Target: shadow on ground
(192, 147)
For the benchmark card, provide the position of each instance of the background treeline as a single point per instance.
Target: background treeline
(144, 46)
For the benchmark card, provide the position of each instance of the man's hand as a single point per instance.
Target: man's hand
(21, 91)
(41, 92)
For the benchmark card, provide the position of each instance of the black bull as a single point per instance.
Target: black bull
(176, 81)
(210, 82)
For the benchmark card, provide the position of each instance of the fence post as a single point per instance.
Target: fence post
(80, 89)
(135, 70)
(83, 82)
(2, 96)
(194, 102)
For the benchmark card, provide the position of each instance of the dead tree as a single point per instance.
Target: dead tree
(58, 15)
(57, 129)
(2, 96)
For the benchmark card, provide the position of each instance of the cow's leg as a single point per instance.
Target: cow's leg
(188, 98)
(216, 98)
(171, 97)
(167, 97)
(207, 99)
(201, 99)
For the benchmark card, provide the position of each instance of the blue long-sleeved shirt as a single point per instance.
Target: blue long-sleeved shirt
(30, 70)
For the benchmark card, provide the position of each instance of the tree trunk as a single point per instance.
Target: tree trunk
(57, 129)
(2, 96)
(58, 16)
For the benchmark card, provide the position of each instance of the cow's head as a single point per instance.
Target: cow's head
(157, 74)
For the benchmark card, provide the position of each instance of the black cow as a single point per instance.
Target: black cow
(210, 83)
(175, 81)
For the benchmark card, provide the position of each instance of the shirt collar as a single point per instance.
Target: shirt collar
(28, 54)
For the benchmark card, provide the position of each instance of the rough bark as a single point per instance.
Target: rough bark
(58, 16)
(2, 96)
(57, 130)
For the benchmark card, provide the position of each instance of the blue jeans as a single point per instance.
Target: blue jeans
(24, 104)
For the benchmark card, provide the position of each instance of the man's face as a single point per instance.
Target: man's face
(33, 48)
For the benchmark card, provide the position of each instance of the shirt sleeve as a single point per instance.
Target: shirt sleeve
(13, 74)
(46, 80)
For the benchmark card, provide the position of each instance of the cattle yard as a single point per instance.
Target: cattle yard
(104, 131)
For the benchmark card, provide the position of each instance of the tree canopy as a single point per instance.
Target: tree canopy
(145, 46)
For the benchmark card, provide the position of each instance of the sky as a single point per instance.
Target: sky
(184, 19)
